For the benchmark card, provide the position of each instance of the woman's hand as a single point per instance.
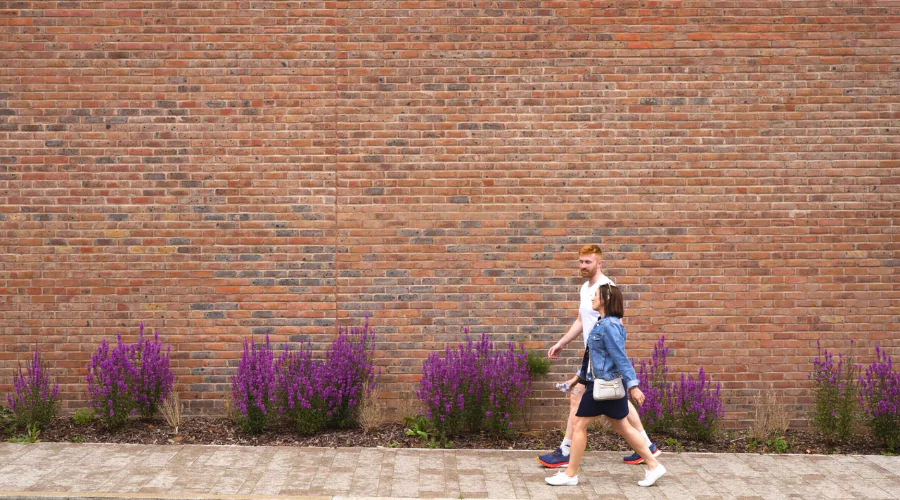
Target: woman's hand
(636, 395)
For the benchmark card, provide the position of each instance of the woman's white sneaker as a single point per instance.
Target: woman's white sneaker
(561, 479)
(651, 476)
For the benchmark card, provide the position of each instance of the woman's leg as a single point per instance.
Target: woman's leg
(634, 439)
(579, 443)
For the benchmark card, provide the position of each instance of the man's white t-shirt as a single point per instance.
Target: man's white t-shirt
(586, 310)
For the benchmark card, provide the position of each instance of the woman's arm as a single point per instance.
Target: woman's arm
(614, 340)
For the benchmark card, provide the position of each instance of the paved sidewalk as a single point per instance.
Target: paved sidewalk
(64, 470)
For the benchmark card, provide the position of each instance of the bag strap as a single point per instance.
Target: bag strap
(590, 363)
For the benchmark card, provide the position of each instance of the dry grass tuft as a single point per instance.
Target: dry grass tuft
(408, 405)
(172, 410)
(371, 413)
(770, 417)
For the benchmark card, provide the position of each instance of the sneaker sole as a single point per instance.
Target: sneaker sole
(640, 459)
(553, 466)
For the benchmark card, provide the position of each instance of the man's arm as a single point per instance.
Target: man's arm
(573, 332)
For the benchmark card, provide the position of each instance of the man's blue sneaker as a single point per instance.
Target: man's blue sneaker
(635, 459)
(554, 459)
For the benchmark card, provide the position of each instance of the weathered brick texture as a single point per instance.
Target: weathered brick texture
(222, 170)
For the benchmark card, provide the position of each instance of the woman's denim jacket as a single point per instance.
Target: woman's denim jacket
(606, 344)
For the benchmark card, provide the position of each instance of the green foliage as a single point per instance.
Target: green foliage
(7, 423)
(752, 445)
(887, 429)
(308, 421)
(421, 428)
(30, 436)
(778, 444)
(538, 365)
(83, 416)
(255, 421)
(674, 444)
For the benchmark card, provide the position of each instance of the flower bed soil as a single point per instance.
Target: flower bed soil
(204, 430)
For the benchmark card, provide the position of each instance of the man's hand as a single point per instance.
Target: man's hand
(554, 351)
(636, 395)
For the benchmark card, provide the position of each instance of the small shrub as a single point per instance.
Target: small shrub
(34, 401)
(657, 413)
(770, 418)
(880, 398)
(83, 416)
(698, 408)
(538, 365)
(474, 388)
(253, 388)
(835, 394)
(778, 444)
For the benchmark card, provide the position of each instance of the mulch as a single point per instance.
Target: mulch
(222, 431)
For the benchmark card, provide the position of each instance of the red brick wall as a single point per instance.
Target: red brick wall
(227, 169)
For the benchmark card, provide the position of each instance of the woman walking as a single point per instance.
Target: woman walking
(606, 355)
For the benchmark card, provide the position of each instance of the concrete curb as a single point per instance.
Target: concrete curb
(94, 495)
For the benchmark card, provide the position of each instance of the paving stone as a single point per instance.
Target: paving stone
(275, 473)
(890, 464)
(231, 481)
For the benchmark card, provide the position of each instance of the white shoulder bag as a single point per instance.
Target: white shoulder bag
(605, 390)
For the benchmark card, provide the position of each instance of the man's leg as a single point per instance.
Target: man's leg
(560, 457)
(575, 394)
(635, 421)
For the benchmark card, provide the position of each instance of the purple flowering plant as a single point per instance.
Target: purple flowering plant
(657, 412)
(835, 411)
(128, 378)
(253, 387)
(698, 408)
(311, 394)
(474, 387)
(34, 401)
(155, 379)
(879, 395)
(111, 375)
(299, 387)
(349, 375)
